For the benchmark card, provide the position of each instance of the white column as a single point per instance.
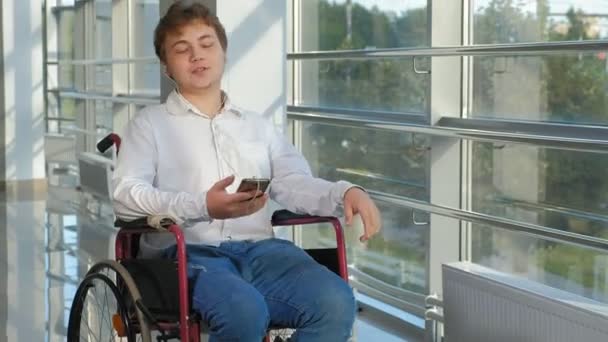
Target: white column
(255, 75)
(22, 123)
(445, 168)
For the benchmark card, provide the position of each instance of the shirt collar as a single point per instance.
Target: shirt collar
(178, 105)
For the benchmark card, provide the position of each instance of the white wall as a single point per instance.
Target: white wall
(22, 104)
(257, 44)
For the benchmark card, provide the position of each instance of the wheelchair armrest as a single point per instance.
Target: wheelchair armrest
(151, 223)
(145, 225)
(288, 218)
(135, 224)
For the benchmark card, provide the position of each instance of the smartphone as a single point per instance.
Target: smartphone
(253, 184)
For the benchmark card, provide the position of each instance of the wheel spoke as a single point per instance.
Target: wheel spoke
(98, 318)
(90, 331)
(106, 308)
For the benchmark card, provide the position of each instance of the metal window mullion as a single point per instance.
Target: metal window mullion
(293, 7)
(297, 87)
(90, 32)
(445, 154)
(80, 79)
(467, 145)
(122, 73)
(49, 44)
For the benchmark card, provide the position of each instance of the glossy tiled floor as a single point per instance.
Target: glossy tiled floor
(45, 248)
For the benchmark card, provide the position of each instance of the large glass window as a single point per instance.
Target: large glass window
(560, 88)
(559, 189)
(103, 45)
(565, 190)
(385, 160)
(567, 267)
(103, 117)
(88, 49)
(146, 74)
(364, 24)
(389, 85)
(65, 47)
(364, 84)
(557, 88)
(513, 21)
(549, 187)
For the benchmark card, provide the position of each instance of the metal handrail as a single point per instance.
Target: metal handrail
(519, 49)
(105, 61)
(546, 233)
(570, 137)
(127, 99)
(551, 208)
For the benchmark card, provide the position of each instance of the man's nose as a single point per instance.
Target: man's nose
(197, 54)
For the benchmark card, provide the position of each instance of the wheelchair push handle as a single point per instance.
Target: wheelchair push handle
(111, 139)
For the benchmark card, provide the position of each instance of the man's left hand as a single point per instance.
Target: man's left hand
(357, 201)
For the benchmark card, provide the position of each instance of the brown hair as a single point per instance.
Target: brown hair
(180, 14)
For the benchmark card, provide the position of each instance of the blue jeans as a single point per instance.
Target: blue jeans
(243, 287)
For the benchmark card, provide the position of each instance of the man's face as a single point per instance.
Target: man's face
(194, 57)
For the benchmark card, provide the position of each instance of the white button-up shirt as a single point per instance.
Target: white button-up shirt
(172, 153)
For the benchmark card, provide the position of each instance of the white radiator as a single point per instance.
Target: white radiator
(482, 305)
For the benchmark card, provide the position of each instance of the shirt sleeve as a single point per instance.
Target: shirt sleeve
(134, 195)
(294, 187)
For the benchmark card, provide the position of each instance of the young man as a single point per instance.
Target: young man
(186, 157)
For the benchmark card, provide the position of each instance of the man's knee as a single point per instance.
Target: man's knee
(241, 315)
(334, 304)
(338, 303)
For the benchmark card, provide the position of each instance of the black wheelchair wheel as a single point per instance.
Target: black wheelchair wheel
(98, 313)
(104, 307)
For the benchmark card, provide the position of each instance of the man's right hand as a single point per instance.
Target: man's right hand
(222, 205)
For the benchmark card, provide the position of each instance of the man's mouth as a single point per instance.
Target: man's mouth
(200, 69)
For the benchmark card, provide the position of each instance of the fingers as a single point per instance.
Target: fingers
(224, 183)
(248, 206)
(348, 212)
(238, 197)
(243, 196)
(371, 221)
(365, 217)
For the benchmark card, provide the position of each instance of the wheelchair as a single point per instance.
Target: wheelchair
(131, 299)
